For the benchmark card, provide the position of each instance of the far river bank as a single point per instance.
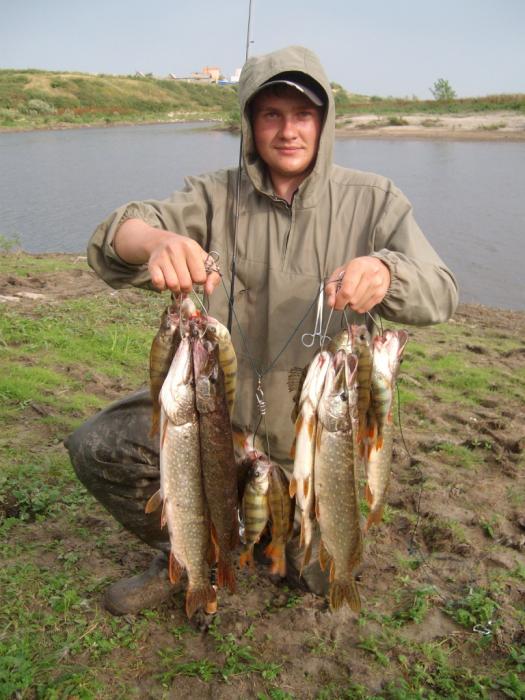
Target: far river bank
(501, 125)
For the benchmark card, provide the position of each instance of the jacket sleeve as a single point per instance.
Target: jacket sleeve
(187, 212)
(422, 289)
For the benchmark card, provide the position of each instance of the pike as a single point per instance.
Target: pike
(163, 349)
(216, 331)
(217, 456)
(184, 508)
(362, 348)
(302, 482)
(387, 352)
(282, 509)
(336, 493)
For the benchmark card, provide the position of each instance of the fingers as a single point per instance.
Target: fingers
(364, 284)
(178, 263)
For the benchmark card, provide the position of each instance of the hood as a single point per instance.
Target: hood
(258, 70)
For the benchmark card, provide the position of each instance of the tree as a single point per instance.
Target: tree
(442, 90)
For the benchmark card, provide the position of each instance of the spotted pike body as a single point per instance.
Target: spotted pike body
(387, 352)
(362, 348)
(386, 357)
(217, 456)
(184, 508)
(336, 493)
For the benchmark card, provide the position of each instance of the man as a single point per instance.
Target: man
(302, 221)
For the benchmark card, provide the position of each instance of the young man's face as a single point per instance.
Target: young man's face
(286, 130)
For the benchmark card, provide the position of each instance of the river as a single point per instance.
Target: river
(468, 197)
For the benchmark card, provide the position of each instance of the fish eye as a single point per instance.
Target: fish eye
(344, 396)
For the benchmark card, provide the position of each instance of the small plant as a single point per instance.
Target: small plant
(9, 244)
(397, 121)
(476, 608)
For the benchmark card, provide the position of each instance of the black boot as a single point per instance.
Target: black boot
(131, 595)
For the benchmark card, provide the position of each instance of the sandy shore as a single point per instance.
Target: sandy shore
(486, 126)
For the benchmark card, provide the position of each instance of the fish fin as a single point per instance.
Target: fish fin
(246, 558)
(379, 442)
(213, 551)
(276, 553)
(331, 575)
(306, 486)
(292, 487)
(294, 378)
(163, 516)
(310, 426)
(202, 597)
(374, 518)
(155, 421)
(318, 434)
(369, 495)
(292, 449)
(164, 431)
(317, 511)
(154, 502)
(341, 591)
(301, 533)
(226, 574)
(174, 569)
(324, 556)
(306, 557)
(299, 424)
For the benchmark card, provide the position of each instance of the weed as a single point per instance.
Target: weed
(371, 645)
(476, 608)
(414, 604)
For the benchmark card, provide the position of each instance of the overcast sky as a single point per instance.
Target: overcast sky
(385, 47)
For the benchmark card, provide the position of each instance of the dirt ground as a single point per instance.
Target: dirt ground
(460, 526)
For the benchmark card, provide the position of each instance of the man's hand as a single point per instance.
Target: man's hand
(175, 262)
(178, 262)
(364, 284)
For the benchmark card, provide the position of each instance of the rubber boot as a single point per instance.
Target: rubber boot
(147, 590)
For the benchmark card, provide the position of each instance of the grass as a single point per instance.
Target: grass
(60, 360)
(43, 99)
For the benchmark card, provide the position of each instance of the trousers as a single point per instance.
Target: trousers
(115, 458)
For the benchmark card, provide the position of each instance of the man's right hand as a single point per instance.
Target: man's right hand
(175, 262)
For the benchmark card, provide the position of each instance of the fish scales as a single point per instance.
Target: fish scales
(181, 486)
(162, 351)
(217, 455)
(337, 506)
(281, 508)
(302, 482)
(255, 508)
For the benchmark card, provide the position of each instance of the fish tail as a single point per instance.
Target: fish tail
(345, 591)
(374, 518)
(276, 553)
(306, 557)
(226, 574)
(174, 569)
(202, 597)
(246, 558)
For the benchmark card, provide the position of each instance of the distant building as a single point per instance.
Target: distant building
(213, 72)
(235, 77)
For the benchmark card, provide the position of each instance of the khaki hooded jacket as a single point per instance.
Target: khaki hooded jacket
(284, 252)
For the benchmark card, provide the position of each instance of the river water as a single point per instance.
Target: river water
(468, 197)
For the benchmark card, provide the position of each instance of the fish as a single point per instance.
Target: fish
(217, 455)
(302, 481)
(216, 331)
(184, 508)
(282, 510)
(336, 493)
(362, 348)
(255, 507)
(387, 353)
(386, 357)
(162, 351)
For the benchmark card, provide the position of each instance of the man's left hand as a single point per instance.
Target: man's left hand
(364, 284)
